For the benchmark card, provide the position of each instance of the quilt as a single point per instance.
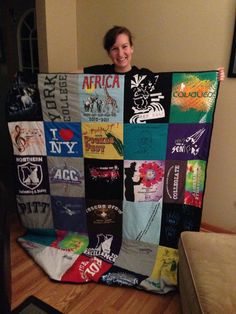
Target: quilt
(110, 169)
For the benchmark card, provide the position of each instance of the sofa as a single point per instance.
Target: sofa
(207, 272)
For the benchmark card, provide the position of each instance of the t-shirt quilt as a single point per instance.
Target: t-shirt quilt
(110, 169)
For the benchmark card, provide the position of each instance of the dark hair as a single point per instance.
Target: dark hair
(111, 35)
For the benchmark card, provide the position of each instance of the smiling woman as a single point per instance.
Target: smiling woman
(119, 45)
(118, 42)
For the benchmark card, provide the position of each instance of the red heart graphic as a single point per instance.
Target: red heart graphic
(66, 134)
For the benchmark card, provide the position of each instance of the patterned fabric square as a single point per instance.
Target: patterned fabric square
(27, 138)
(145, 141)
(103, 179)
(59, 97)
(32, 175)
(142, 223)
(69, 213)
(63, 139)
(101, 98)
(35, 211)
(23, 99)
(188, 141)
(66, 176)
(147, 98)
(103, 140)
(193, 97)
(143, 180)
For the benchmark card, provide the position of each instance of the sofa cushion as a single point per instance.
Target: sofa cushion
(207, 271)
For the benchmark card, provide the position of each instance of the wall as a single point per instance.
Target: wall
(57, 35)
(178, 35)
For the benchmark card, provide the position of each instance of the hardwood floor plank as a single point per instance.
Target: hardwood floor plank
(89, 298)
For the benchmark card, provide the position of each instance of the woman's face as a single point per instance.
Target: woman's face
(121, 53)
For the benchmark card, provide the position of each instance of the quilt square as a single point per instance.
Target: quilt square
(104, 216)
(193, 97)
(35, 211)
(23, 100)
(105, 246)
(147, 98)
(32, 175)
(103, 140)
(59, 97)
(195, 182)
(101, 98)
(69, 213)
(177, 218)
(27, 137)
(117, 276)
(188, 141)
(66, 176)
(142, 223)
(175, 177)
(143, 180)
(71, 242)
(103, 179)
(138, 257)
(63, 139)
(145, 141)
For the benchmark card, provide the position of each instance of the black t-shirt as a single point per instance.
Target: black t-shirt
(110, 69)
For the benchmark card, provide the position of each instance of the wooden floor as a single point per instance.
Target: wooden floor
(28, 279)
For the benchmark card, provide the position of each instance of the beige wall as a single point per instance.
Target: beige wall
(171, 35)
(57, 34)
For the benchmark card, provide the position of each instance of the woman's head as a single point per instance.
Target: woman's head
(111, 35)
(118, 43)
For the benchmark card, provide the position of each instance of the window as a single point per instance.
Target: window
(27, 43)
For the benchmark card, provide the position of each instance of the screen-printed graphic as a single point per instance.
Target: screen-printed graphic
(103, 245)
(188, 141)
(27, 138)
(193, 97)
(103, 140)
(69, 213)
(66, 176)
(104, 216)
(142, 224)
(70, 242)
(59, 97)
(23, 101)
(32, 175)
(143, 180)
(103, 179)
(147, 98)
(101, 97)
(35, 211)
(177, 218)
(145, 141)
(165, 269)
(63, 139)
(174, 185)
(118, 276)
(195, 181)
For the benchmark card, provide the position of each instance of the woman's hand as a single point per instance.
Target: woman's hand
(221, 74)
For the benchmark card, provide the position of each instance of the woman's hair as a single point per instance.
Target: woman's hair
(111, 35)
